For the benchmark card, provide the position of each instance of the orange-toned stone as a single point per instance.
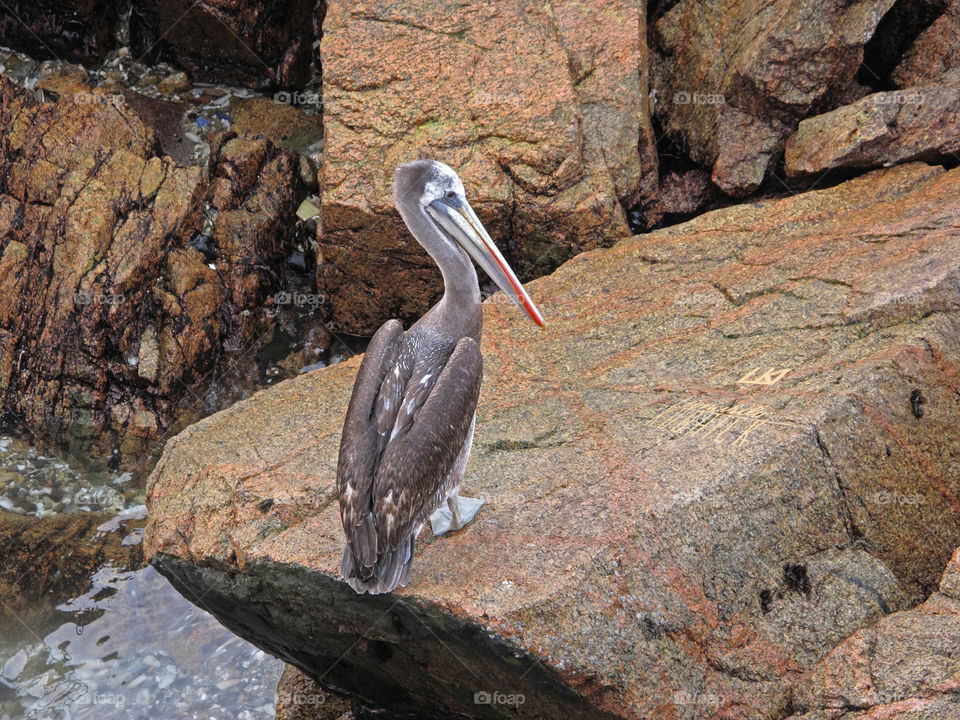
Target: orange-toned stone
(919, 123)
(539, 108)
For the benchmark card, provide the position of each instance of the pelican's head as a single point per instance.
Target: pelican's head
(438, 191)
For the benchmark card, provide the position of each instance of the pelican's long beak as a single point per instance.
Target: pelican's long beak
(455, 215)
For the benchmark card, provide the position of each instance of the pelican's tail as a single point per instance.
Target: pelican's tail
(390, 569)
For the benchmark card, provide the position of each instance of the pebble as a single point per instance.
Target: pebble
(22, 71)
(176, 83)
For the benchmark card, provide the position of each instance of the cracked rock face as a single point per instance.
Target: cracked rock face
(110, 323)
(904, 667)
(918, 123)
(734, 447)
(539, 108)
(733, 78)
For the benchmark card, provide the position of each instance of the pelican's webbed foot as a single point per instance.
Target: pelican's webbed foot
(458, 512)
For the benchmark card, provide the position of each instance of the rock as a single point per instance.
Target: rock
(684, 193)
(164, 118)
(46, 560)
(64, 80)
(243, 43)
(732, 79)
(920, 123)
(96, 274)
(538, 107)
(175, 83)
(935, 52)
(81, 31)
(903, 667)
(706, 473)
(279, 122)
(606, 43)
(299, 698)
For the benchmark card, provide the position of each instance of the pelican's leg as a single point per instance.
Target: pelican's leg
(458, 512)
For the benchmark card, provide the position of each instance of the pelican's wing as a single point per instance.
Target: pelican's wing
(429, 431)
(361, 444)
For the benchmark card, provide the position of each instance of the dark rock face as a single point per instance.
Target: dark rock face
(733, 78)
(903, 668)
(685, 193)
(234, 41)
(79, 31)
(325, 623)
(110, 322)
(706, 474)
(539, 108)
(896, 32)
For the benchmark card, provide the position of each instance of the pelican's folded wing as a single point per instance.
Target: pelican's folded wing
(360, 441)
(421, 452)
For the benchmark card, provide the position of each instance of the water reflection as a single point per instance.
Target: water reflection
(133, 647)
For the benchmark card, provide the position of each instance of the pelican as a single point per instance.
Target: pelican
(409, 424)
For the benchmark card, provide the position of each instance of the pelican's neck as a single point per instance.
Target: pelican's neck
(461, 290)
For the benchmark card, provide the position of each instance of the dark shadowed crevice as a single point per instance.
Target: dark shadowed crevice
(894, 35)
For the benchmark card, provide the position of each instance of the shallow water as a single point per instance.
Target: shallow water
(33, 483)
(127, 645)
(133, 647)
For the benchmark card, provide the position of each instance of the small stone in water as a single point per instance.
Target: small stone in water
(178, 82)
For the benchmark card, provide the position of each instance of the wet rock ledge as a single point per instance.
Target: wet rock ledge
(733, 448)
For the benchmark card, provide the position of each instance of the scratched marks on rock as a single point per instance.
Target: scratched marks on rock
(733, 424)
(768, 378)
